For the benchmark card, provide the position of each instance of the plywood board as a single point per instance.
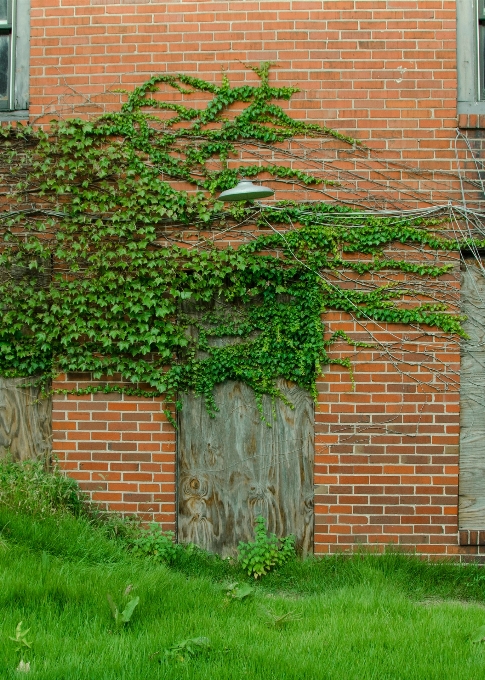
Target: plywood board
(234, 467)
(25, 421)
(472, 401)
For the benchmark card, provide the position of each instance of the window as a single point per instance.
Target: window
(7, 47)
(470, 48)
(14, 54)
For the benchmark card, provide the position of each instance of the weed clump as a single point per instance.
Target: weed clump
(260, 556)
(26, 487)
(156, 544)
(44, 510)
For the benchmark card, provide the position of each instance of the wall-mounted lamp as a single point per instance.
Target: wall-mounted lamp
(245, 190)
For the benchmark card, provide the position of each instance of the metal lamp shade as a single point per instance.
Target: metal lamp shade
(246, 191)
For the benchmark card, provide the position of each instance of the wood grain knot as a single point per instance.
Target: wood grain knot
(195, 487)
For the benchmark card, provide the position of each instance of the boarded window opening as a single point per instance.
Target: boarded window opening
(472, 403)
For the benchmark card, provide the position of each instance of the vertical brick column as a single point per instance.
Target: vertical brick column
(120, 449)
(386, 459)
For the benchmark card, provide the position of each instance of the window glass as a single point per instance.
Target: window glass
(3, 11)
(14, 55)
(4, 54)
(481, 47)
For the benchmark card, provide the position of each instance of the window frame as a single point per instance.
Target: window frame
(17, 27)
(8, 28)
(470, 62)
(480, 45)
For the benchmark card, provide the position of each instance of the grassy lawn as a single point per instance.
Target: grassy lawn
(346, 618)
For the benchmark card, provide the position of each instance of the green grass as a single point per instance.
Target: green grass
(380, 617)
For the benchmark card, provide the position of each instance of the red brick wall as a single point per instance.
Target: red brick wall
(384, 71)
(120, 449)
(386, 458)
(384, 68)
(386, 451)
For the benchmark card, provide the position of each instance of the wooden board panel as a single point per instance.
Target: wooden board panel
(472, 401)
(25, 421)
(234, 467)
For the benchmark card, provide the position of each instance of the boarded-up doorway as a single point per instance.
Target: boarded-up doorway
(234, 467)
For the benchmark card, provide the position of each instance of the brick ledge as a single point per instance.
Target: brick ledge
(472, 537)
(471, 121)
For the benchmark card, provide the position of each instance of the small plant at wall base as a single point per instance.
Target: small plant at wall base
(156, 544)
(94, 277)
(265, 553)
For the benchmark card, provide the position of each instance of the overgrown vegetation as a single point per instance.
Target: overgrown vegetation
(97, 276)
(52, 501)
(77, 604)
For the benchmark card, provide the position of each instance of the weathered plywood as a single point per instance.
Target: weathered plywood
(472, 401)
(234, 467)
(25, 421)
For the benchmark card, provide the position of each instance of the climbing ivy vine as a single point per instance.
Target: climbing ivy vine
(95, 277)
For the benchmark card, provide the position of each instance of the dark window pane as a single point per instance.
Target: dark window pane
(481, 59)
(3, 11)
(481, 45)
(4, 59)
